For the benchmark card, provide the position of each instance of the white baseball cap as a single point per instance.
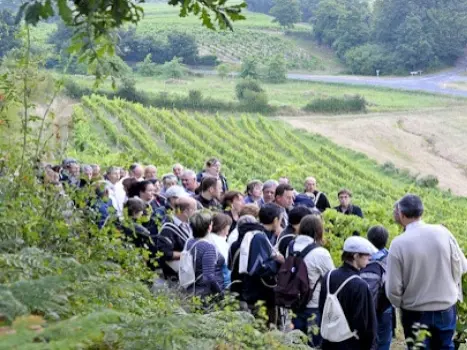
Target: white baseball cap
(356, 244)
(176, 191)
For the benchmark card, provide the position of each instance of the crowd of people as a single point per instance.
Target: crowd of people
(266, 244)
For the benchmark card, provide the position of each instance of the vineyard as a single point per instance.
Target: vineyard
(74, 286)
(256, 36)
(250, 147)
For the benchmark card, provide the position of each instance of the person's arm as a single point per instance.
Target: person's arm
(324, 199)
(277, 256)
(323, 293)
(209, 261)
(394, 283)
(358, 212)
(364, 317)
(165, 245)
(458, 264)
(324, 262)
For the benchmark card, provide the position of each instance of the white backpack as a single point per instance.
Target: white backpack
(186, 270)
(334, 325)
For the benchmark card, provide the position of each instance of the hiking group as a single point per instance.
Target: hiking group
(266, 246)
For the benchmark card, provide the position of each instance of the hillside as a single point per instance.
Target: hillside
(256, 36)
(410, 140)
(249, 147)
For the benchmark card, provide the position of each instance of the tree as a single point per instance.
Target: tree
(8, 32)
(223, 70)
(173, 69)
(184, 46)
(342, 25)
(276, 70)
(94, 21)
(148, 68)
(286, 12)
(250, 68)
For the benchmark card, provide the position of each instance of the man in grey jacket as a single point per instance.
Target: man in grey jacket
(425, 267)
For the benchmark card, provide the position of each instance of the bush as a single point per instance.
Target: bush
(245, 85)
(429, 181)
(208, 60)
(148, 68)
(196, 97)
(173, 69)
(336, 105)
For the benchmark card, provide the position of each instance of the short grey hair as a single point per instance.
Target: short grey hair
(189, 173)
(86, 168)
(112, 169)
(411, 206)
(246, 219)
(269, 184)
(169, 177)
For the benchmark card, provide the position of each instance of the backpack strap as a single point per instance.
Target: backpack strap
(344, 283)
(308, 249)
(317, 197)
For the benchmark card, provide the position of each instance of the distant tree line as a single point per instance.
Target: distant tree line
(393, 36)
(133, 48)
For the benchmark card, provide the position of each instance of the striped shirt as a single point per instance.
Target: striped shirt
(208, 268)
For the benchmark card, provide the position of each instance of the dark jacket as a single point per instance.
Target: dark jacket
(140, 237)
(357, 303)
(212, 204)
(102, 209)
(233, 263)
(171, 239)
(233, 226)
(285, 238)
(258, 286)
(352, 210)
(225, 185)
(323, 203)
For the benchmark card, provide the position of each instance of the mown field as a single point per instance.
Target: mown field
(294, 93)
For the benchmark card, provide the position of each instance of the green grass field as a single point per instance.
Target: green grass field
(298, 93)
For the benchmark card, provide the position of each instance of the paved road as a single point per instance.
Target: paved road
(436, 83)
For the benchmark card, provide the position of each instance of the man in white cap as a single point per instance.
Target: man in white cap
(354, 297)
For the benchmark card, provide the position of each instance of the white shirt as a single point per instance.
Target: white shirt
(233, 237)
(117, 195)
(318, 262)
(220, 243)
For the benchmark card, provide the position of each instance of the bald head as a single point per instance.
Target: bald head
(150, 172)
(184, 204)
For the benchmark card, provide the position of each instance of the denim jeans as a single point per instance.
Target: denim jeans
(308, 321)
(384, 335)
(441, 325)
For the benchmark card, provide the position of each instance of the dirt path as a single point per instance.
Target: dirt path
(424, 142)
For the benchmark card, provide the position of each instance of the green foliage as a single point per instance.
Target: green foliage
(250, 68)
(286, 12)
(223, 70)
(429, 181)
(173, 69)
(395, 36)
(247, 85)
(368, 58)
(8, 33)
(336, 105)
(342, 25)
(276, 70)
(148, 68)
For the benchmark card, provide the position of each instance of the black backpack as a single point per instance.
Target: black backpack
(293, 287)
(374, 274)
